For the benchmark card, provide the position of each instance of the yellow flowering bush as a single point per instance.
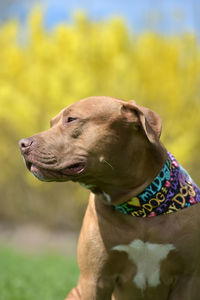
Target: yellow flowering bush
(43, 71)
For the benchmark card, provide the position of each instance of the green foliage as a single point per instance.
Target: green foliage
(30, 277)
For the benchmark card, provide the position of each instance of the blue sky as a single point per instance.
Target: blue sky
(134, 12)
(166, 15)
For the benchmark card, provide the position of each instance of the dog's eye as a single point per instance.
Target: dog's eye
(71, 119)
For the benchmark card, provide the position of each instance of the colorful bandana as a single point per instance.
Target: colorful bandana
(171, 190)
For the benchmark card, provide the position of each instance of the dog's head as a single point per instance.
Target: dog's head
(91, 140)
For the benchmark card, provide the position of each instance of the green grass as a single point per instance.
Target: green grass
(35, 277)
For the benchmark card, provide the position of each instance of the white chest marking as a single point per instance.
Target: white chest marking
(147, 257)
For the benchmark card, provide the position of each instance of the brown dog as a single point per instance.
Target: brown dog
(136, 241)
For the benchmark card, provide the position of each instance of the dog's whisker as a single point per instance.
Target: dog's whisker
(105, 161)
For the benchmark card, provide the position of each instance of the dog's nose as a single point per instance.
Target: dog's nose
(25, 144)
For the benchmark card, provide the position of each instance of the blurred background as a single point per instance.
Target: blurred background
(55, 52)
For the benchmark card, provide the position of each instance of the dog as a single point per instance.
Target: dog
(140, 237)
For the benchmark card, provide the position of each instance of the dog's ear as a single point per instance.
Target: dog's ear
(142, 116)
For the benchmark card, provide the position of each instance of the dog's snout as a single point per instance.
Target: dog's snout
(25, 144)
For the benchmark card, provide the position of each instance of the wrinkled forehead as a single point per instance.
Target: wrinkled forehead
(92, 106)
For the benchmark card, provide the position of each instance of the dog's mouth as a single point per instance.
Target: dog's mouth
(46, 174)
(74, 169)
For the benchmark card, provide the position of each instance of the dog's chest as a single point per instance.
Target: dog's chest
(147, 258)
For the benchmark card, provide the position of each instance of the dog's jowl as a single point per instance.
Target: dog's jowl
(140, 237)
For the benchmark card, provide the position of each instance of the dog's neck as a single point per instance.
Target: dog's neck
(129, 180)
(171, 190)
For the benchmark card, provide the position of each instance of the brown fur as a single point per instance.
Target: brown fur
(118, 144)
